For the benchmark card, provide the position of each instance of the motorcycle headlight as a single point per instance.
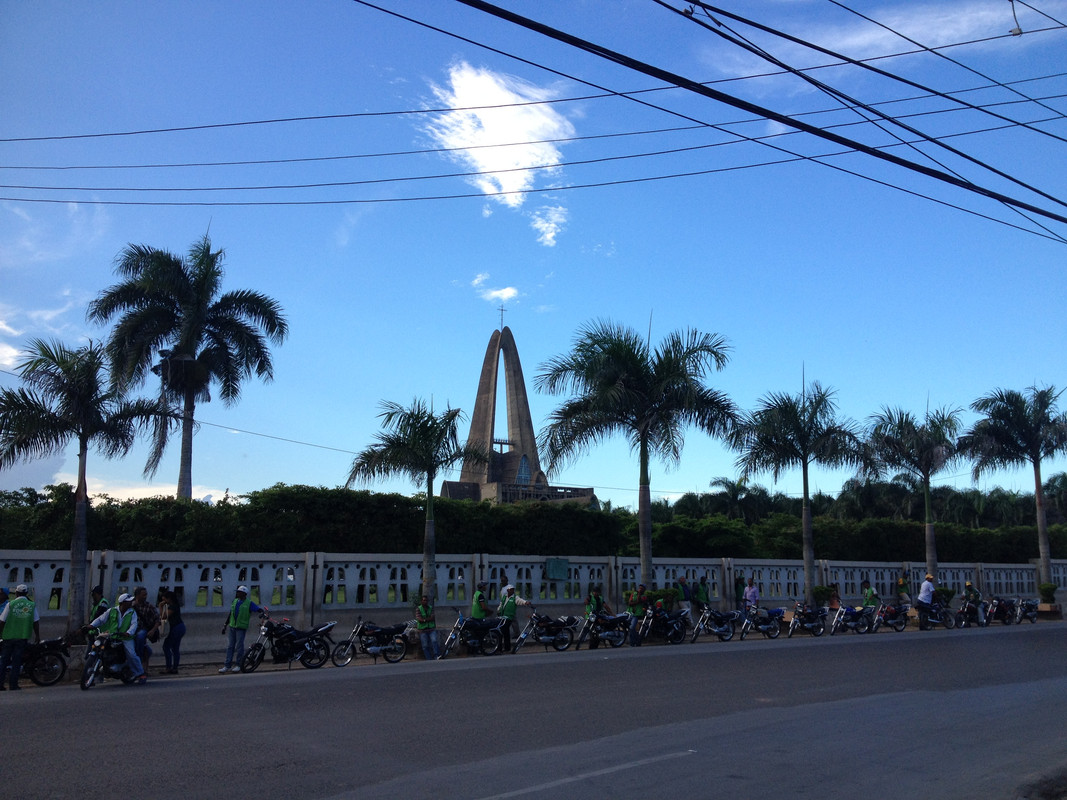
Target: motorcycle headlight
(98, 643)
(263, 629)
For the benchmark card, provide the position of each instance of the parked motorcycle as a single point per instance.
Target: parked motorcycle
(478, 635)
(852, 618)
(1025, 609)
(391, 643)
(600, 627)
(892, 615)
(287, 644)
(106, 659)
(936, 614)
(809, 618)
(716, 623)
(546, 630)
(968, 615)
(663, 624)
(767, 621)
(1001, 608)
(44, 662)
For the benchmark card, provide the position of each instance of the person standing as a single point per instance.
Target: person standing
(148, 625)
(17, 621)
(426, 622)
(869, 595)
(751, 598)
(636, 602)
(904, 589)
(236, 627)
(685, 595)
(701, 594)
(509, 603)
(739, 591)
(170, 612)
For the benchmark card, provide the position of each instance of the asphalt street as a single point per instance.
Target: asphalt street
(946, 714)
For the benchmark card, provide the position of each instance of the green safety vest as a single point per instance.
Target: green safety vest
(507, 608)
(635, 603)
(701, 593)
(476, 606)
(118, 624)
(425, 611)
(239, 616)
(19, 623)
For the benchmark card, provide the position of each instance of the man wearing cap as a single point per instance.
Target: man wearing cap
(636, 601)
(236, 627)
(18, 619)
(121, 623)
(924, 600)
(99, 603)
(479, 607)
(973, 596)
(509, 603)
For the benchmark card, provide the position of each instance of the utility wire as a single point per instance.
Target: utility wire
(753, 108)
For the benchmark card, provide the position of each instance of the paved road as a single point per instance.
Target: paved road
(960, 714)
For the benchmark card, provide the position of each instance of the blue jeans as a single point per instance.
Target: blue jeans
(132, 659)
(172, 645)
(235, 645)
(431, 645)
(140, 637)
(11, 655)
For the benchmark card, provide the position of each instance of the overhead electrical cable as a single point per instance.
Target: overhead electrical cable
(745, 105)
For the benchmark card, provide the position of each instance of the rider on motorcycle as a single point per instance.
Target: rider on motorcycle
(973, 596)
(121, 623)
(924, 600)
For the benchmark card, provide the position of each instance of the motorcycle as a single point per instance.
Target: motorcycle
(478, 635)
(106, 659)
(391, 643)
(287, 644)
(669, 625)
(1002, 609)
(45, 662)
(716, 623)
(968, 615)
(894, 616)
(546, 630)
(936, 614)
(600, 627)
(767, 621)
(852, 618)
(1025, 609)
(810, 619)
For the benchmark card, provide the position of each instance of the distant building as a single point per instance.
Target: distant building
(513, 473)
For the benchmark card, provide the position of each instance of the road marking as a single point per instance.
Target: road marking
(595, 774)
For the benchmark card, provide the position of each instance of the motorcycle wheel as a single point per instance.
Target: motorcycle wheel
(316, 655)
(1007, 619)
(518, 643)
(949, 622)
(562, 640)
(792, 627)
(862, 625)
(491, 643)
(92, 666)
(697, 630)
(450, 643)
(899, 624)
(253, 658)
(343, 654)
(744, 631)
(614, 638)
(960, 619)
(395, 651)
(728, 634)
(773, 629)
(818, 628)
(47, 669)
(676, 634)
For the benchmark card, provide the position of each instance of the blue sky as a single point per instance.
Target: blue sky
(899, 290)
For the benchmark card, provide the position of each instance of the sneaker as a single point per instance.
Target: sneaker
(235, 668)
(223, 669)
(142, 680)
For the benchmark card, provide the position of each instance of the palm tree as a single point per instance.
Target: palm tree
(1020, 428)
(621, 387)
(172, 307)
(788, 431)
(417, 443)
(898, 440)
(68, 399)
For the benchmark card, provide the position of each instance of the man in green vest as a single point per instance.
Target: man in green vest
(426, 622)
(701, 593)
(98, 603)
(509, 603)
(17, 621)
(236, 627)
(479, 607)
(121, 623)
(636, 601)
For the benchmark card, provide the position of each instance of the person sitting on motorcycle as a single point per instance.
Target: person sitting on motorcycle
(974, 597)
(479, 607)
(636, 602)
(121, 624)
(924, 601)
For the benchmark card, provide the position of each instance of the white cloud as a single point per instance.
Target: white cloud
(501, 295)
(495, 135)
(549, 222)
(9, 356)
(480, 278)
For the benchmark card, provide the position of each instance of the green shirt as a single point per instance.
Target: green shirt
(870, 597)
(20, 613)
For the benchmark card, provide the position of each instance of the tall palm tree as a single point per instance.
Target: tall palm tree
(68, 399)
(172, 307)
(788, 431)
(620, 386)
(898, 440)
(417, 443)
(1020, 428)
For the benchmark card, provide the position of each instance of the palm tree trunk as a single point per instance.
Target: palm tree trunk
(644, 517)
(931, 542)
(1044, 553)
(77, 596)
(807, 536)
(185, 468)
(429, 547)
